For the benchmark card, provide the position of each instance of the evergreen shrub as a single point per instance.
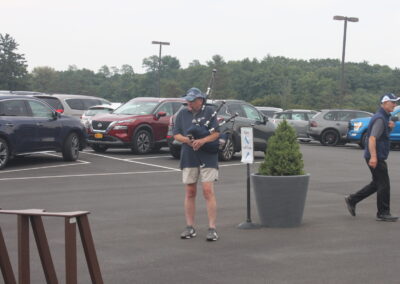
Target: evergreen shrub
(283, 156)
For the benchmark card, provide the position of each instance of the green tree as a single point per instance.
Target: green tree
(13, 72)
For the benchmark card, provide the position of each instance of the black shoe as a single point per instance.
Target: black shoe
(188, 233)
(350, 205)
(386, 218)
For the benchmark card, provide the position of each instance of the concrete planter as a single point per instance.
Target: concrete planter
(280, 199)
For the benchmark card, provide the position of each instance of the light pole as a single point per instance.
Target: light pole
(345, 19)
(161, 43)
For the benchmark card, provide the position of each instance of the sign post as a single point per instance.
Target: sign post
(246, 134)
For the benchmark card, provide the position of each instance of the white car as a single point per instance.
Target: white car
(92, 111)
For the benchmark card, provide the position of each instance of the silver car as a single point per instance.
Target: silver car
(74, 105)
(298, 118)
(330, 126)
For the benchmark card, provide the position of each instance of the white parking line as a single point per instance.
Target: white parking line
(86, 175)
(46, 167)
(130, 161)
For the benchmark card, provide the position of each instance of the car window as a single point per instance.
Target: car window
(330, 116)
(224, 110)
(87, 103)
(362, 114)
(40, 110)
(166, 107)
(53, 102)
(75, 104)
(235, 108)
(176, 106)
(251, 112)
(299, 116)
(13, 108)
(283, 115)
(345, 115)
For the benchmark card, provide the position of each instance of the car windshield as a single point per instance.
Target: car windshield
(137, 108)
(92, 112)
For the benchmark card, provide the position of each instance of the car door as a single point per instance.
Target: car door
(342, 121)
(299, 122)
(262, 130)
(48, 126)
(19, 126)
(160, 123)
(395, 133)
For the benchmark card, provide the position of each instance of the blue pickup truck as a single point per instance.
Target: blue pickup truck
(358, 129)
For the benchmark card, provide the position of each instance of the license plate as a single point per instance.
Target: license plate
(98, 135)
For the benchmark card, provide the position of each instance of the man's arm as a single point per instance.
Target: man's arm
(373, 161)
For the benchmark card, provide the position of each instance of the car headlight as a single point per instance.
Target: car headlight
(357, 125)
(120, 127)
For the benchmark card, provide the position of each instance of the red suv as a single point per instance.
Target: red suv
(140, 124)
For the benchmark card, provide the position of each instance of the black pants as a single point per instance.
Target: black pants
(380, 184)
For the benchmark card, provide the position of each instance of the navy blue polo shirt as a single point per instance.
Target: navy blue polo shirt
(190, 158)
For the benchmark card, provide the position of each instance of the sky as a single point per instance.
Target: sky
(93, 33)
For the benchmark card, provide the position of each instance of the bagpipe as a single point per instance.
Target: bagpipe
(199, 130)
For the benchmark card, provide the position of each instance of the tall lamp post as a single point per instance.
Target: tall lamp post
(161, 43)
(345, 19)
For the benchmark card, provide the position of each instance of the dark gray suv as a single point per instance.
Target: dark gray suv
(330, 126)
(248, 116)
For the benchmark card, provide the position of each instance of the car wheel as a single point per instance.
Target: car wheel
(363, 141)
(142, 143)
(330, 138)
(4, 153)
(176, 153)
(99, 148)
(228, 151)
(70, 149)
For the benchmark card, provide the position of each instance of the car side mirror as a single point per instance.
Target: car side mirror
(56, 114)
(160, 114)
(394, 118)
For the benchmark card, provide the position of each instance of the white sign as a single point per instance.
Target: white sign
(246, 134)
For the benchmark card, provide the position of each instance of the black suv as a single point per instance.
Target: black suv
(30, 125)
(248, 116)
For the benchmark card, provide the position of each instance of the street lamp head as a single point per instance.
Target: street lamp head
(343, 18)
(352, 19)
(339, 18)
(160, 42)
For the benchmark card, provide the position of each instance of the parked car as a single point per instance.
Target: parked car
(73, 105)
(298, 118)
(268, 111)
(29, 125)
(140, 124)
(98, 109)
(358, 129)
(330, 126)
(248, 116)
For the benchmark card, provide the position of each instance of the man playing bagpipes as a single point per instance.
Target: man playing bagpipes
(197, 128)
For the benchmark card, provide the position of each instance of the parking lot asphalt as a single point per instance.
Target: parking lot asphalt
(136, 205)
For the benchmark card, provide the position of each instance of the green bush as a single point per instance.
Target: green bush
(283, 156)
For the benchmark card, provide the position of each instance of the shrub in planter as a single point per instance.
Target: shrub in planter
(283, 156)
(280, 187)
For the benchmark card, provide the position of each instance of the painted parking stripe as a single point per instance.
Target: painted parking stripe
(46, 167)
(130, 161)
(87, 175)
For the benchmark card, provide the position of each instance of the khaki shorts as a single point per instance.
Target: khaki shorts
(191, 175)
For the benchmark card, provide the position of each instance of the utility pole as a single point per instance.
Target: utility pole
(161, 43)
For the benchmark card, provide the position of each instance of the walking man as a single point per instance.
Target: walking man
(197, 163)
(376, 152)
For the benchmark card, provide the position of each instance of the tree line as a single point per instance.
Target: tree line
(272, 81)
